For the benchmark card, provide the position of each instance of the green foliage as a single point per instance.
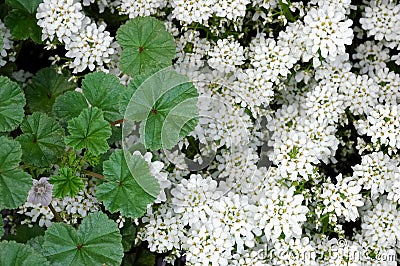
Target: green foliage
(36, 243)
(96, 242)
(146, 45)
(69, 105)
(166, 104)
(12, 253)
(12, 102)
(89, 130)
(129, 186)
(44, 88)
(1, 227)
(66, 183)
(102, 91)
(14, 183)
(43, 140)
(128, 232)
(29, 6)
(23, 25)
(21, 20)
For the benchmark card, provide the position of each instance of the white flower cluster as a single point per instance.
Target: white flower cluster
(381, 225)
(328, 31)
(134, 8)
(381, 19)
(86, 42)
(201, 11)
(6, 45)
(377, 173)
(226, 55)
(343, 197)
(383, 126)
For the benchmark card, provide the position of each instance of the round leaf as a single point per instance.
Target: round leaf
(14, 183)
(129, 186)
(44, 88)
(166, 103)
(13, 253)
(146, 45)
(12, 102)
(69, 105)
(102, 90)
(89, 130)
(43, 140)
(96, 242)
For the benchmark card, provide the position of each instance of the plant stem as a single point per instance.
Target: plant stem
(113, 123)
(55, 213)
(93, 174)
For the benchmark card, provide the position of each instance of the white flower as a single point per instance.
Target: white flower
(226, 55)
(372, 57)
(381, 226)
(6, 36)
(62, 19)
(193, 198)
(134, 8)
(91, 47)
(281, 212)
(381, 19)
(327, 31)
(192, 11)
(272, 59)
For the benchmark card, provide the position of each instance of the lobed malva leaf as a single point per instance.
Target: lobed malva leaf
(103, 91)
(44, 88)
(89, 130)
(23, 25)
(166, 105)
(13, 253)
(129, 186)
(69, 105)
(12, 102)
(29, 6)
(42, 140)
(14, 183)
(96, 242)
(66, 183)
(146, 45)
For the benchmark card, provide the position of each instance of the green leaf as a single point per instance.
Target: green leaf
(128, 233)
(1, 227)
(96, 242)
(44, 88)
(69, 105)
(129, 186)
(36, 243)
(14, 183)
(102, 90)
(286, 11)
(12, 102)
(146, 45)
(27, 5)
(66, 183)
(23, 25)
(13, 253)
(43, 140)
(166, 103)
(89, 130)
